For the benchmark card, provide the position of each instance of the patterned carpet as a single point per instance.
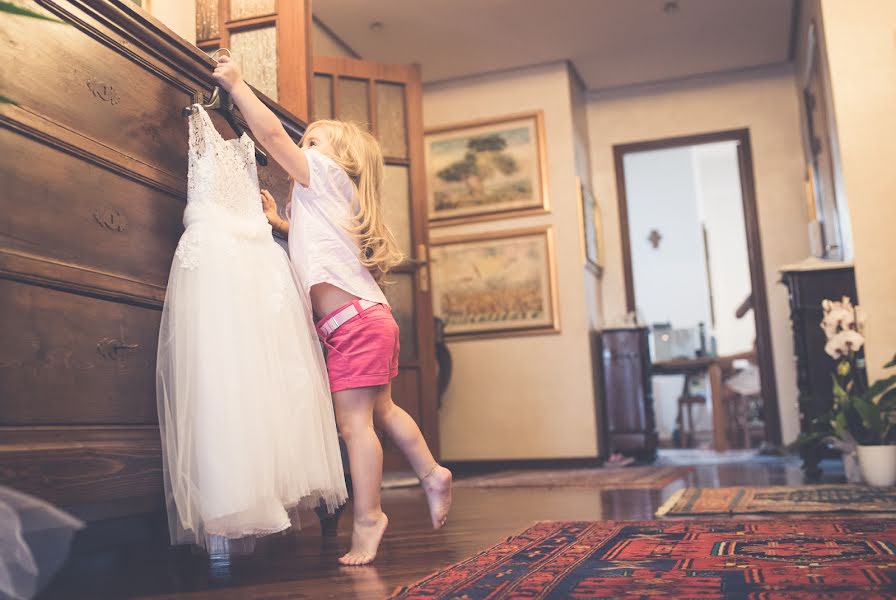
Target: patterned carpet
(779, 499)
(752, 560)
(649, 478)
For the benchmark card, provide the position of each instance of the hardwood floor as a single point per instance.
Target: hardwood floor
(303, 564)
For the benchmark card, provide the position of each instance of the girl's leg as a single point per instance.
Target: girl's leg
(354, 415)
(403, 430)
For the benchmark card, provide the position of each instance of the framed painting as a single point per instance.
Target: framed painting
(486, 170)
(497, 284)
(591, 237)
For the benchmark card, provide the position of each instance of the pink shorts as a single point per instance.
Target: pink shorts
(363, 351)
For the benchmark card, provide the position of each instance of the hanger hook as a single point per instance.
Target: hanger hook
(215, 53)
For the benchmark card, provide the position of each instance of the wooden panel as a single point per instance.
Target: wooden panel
(94, 89)
(94, 168)
(56, 211)
(67, 358)
(294, 57)
(78, 466)
(627, 413)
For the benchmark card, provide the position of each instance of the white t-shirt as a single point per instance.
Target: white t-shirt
(321, 247)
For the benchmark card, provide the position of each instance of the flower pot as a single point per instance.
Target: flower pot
(878, 465)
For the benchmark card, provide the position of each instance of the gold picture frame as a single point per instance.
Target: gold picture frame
(590, 230)
(496, 284)
(485, 170)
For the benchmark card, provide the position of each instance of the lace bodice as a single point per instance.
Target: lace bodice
(221, 172)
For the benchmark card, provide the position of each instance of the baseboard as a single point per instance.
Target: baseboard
(477, 467)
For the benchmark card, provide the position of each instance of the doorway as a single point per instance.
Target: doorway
(694, 275)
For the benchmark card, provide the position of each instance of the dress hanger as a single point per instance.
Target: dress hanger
(223, 103)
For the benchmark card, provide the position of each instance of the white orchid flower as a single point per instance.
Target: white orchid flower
(853, 340)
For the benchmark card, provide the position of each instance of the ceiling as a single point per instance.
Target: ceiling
(612, 43)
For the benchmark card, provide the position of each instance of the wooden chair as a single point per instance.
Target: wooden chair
(738, 406)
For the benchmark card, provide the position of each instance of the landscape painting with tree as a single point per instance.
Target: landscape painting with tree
(486, 170)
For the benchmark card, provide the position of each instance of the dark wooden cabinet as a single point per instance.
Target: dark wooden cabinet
(806, 290)
(93, 159)
(624, 392)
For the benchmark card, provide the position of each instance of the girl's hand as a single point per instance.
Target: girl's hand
(227, 73)
(269, 206)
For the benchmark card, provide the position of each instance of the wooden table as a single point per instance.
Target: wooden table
(711, 367)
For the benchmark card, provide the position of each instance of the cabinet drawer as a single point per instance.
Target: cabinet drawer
(71, 359)
(77, 466)
(95, 89)
(74, 211)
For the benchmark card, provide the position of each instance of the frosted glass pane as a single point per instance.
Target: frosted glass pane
(400, 294)
(255, 51)
(323, 97)
(354, 100)
(396, 201)
(391, 122)
(207, 22)
(245, 9)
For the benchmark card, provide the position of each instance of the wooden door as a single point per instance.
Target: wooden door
(387, 99)
(270, 40)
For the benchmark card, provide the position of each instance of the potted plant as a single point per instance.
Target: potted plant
(862, 421)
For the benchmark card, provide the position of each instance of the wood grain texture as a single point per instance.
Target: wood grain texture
(75, 467)
(624, 367)
(93, 157)
(68, 358)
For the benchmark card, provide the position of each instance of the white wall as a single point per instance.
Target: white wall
(765, 101)
(177, 15)
(720, 207)
(582, 145)
(861, 52)
(325, 43)
(523, 397)
(670, 280)
(837, 218)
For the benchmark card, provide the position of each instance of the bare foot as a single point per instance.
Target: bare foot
(366, 536)
(437, 486)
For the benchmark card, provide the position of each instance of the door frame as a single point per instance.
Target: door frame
(765, 356)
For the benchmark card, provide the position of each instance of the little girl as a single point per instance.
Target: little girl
(340, 246)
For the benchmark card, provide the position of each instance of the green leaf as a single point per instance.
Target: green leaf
(839, 424)
(888, 400)
(839, 391)
(870, 415)
(5, 100)
(891, 364)
(806, 439)
(880, 386)
(13, 9)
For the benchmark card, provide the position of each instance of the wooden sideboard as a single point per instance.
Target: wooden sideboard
(625, 393)
(93, 159)
(806, 289)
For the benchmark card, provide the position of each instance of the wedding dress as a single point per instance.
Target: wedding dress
(247, 424)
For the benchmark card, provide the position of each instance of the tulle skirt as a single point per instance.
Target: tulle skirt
(248, 431)
(34, 542)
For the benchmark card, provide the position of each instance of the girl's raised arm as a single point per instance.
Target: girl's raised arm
(263, 123)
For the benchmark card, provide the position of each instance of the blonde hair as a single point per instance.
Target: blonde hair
(359, 155)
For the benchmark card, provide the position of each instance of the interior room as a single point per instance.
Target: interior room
(620, 274)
